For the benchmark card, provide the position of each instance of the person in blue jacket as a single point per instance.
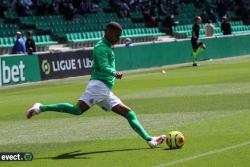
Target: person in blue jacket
(19, 46)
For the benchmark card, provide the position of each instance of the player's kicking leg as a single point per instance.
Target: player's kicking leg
(77, 109)
(198, 47)
(130, 115)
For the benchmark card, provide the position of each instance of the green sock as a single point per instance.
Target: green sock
(135, 124)
(199, 50)
(194, 54)
(62, 107)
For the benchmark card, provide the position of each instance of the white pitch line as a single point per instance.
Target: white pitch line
(203, 154)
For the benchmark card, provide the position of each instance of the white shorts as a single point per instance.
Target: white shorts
(98, 93)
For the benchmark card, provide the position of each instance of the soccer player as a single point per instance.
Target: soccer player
(98, 90)
(197, 45)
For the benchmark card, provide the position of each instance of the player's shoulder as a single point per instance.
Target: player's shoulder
(101, 45)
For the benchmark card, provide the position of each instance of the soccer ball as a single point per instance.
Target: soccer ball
(175, 139)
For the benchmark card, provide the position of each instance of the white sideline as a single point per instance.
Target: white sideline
(204, 154)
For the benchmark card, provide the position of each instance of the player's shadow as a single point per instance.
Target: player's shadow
(171, 149)
(82, 155)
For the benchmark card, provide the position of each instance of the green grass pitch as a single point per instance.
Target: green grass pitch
(210, 105)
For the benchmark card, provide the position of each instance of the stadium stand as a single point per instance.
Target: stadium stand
(86, 26)
(237, 27)
(42, 43)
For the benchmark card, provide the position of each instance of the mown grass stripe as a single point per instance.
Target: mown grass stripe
(209, 153)
(87, 129)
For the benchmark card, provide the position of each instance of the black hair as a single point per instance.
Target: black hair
(113, 26)
(28, 33)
